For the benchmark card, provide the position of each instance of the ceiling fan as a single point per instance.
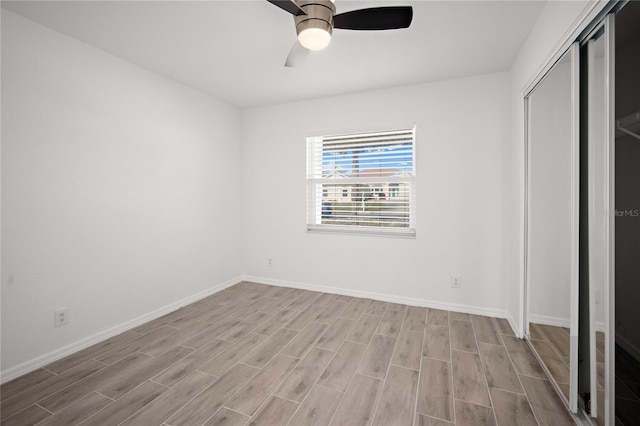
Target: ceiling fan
(316, 19)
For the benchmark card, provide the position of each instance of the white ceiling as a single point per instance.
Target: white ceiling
(235, 50)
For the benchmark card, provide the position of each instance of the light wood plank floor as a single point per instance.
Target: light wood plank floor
(263, 355)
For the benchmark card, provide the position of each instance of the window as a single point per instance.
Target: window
(394, 190)
(362, 183)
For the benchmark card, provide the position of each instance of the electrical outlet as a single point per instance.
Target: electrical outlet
(270, 262)
(60, 317)
(456, 281)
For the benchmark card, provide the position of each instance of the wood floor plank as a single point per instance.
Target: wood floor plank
(29, 416)
(391, 323)
(559, 338)
(356, 308)
(436, 342)
(331, 312)
(22, 400)
(218, 313)
(415, 318)
(498, 368)
(78, 411)
(251, 396)
(262, 354)
(202, 407)
(340, 370)
(318, 408)
(84, 387)
(162, 345)
(377, 357)
(468, 414)
(258, 306)
(535, 332)
(422, 420)
(459, 316)
(192, 362)
(304, 318)
(343, 298)
(278, 320)
(279, 292)
(504, 327)
(191, 316)
(557, 367)
(300, 345)
(336, 334)
(243, 328)
(275, 411)
(358, 403)
(324, 299)
(408, 349)
(396, 405)
(462, 336)
(79, 357)
(306, 299)
(397, 307)
(438, 317)
(469, 382)
(548, 408)
(523, 359)
(512, 409)
(220, 327)
(24, 382)
(127, 382)
(300, 381)
(171, 401)
(223, 362)
(119, 410)
(121, 351)
(435, 395)
(376, 307)
(486, 329)
(364, 329)
(226, 417)
(275, 306)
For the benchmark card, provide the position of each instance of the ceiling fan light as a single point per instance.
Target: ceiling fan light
(314, 38)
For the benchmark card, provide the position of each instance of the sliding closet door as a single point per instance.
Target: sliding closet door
(552, 220)
(599, 52)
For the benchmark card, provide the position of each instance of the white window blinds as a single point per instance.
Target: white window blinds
(362, 183)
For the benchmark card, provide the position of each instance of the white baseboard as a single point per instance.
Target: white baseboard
(629, 347)
(383, 297)
(32, 364)
(548, 320)
(558, 322)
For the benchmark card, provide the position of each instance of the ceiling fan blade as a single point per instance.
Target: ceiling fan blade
(376, 18)
(289, 6)
(297, 55)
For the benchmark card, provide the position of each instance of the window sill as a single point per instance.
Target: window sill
(363, 230)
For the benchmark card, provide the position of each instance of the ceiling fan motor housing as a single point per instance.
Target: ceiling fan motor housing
(319, 14)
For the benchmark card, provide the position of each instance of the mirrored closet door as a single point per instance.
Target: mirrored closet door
(551, 281)
(597, 144)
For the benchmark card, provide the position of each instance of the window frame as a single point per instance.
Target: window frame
(315, 208)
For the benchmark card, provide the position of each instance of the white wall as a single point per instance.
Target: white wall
(462, 128)
(555, 24)
(120, 191)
